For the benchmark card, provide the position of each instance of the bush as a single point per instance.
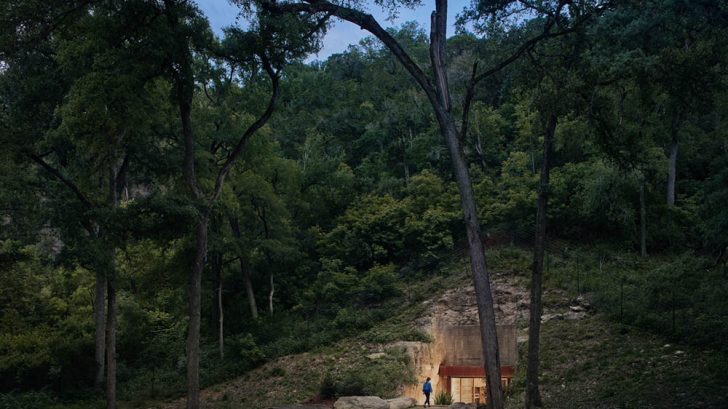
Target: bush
(29, 400)
(277, 372)
(443, 398)
(247, 351)
(351, 385)
(327, 390)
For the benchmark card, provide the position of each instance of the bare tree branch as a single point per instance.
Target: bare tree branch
(366, 22)
(58, 175)
(254, 127)
(552, 20)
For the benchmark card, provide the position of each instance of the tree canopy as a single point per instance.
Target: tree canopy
(173, 199)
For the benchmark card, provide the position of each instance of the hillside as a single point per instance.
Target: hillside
(588, 360)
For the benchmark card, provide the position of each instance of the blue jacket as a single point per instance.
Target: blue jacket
(427, 387)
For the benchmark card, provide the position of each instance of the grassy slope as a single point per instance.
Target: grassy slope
(596, 363)
(588, 363)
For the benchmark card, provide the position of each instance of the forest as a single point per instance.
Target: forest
(179, 208)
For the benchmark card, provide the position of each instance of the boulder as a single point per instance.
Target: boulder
(361, 402)
(460, 405)
(401, 403)
(298, 406)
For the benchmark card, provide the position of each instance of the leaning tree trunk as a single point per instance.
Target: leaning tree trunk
(440, 101)
(533, 394)
(484, 295)
(100, 324)
(481, 280)
(439, 96)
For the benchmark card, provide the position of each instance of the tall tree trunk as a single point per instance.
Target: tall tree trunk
(643, 219)
(270, 295)
(245, 271)
(533, 394)
(476, 245)
(481, 280)
(194, 302)
(672, 164)
(185, 86)
(481, 152)
(111, 347)
(404, 156)
(100, 324)
(220, 311)
(216, 312)
(117, 179)
(250, 294)
(441, 103)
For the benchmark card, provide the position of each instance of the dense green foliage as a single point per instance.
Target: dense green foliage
(345, 198)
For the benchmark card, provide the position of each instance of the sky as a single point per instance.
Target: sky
(222, 14)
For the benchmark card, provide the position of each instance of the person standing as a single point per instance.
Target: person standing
(427, 390)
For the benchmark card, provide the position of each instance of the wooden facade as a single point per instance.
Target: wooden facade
(466, 383)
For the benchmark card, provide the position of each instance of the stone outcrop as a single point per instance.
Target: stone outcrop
(458, 306)
(361, 402)
(401, 403)
(450, 322)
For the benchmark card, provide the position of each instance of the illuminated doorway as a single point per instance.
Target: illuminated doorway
(467, 383)
(468, 390)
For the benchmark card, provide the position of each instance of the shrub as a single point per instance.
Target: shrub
(28, 400)
(327, 390)
(277, 372)
(247, 351)
(443, 398)
(351, 385)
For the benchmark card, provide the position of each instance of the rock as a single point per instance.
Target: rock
(571, 315)
(401, 403)
(549, 317)
(297, 406)
(460, 405)
(361, 402)
(376, 355)
(576, 308)
(583, 301)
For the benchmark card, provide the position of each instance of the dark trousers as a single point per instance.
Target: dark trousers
(427, 398)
